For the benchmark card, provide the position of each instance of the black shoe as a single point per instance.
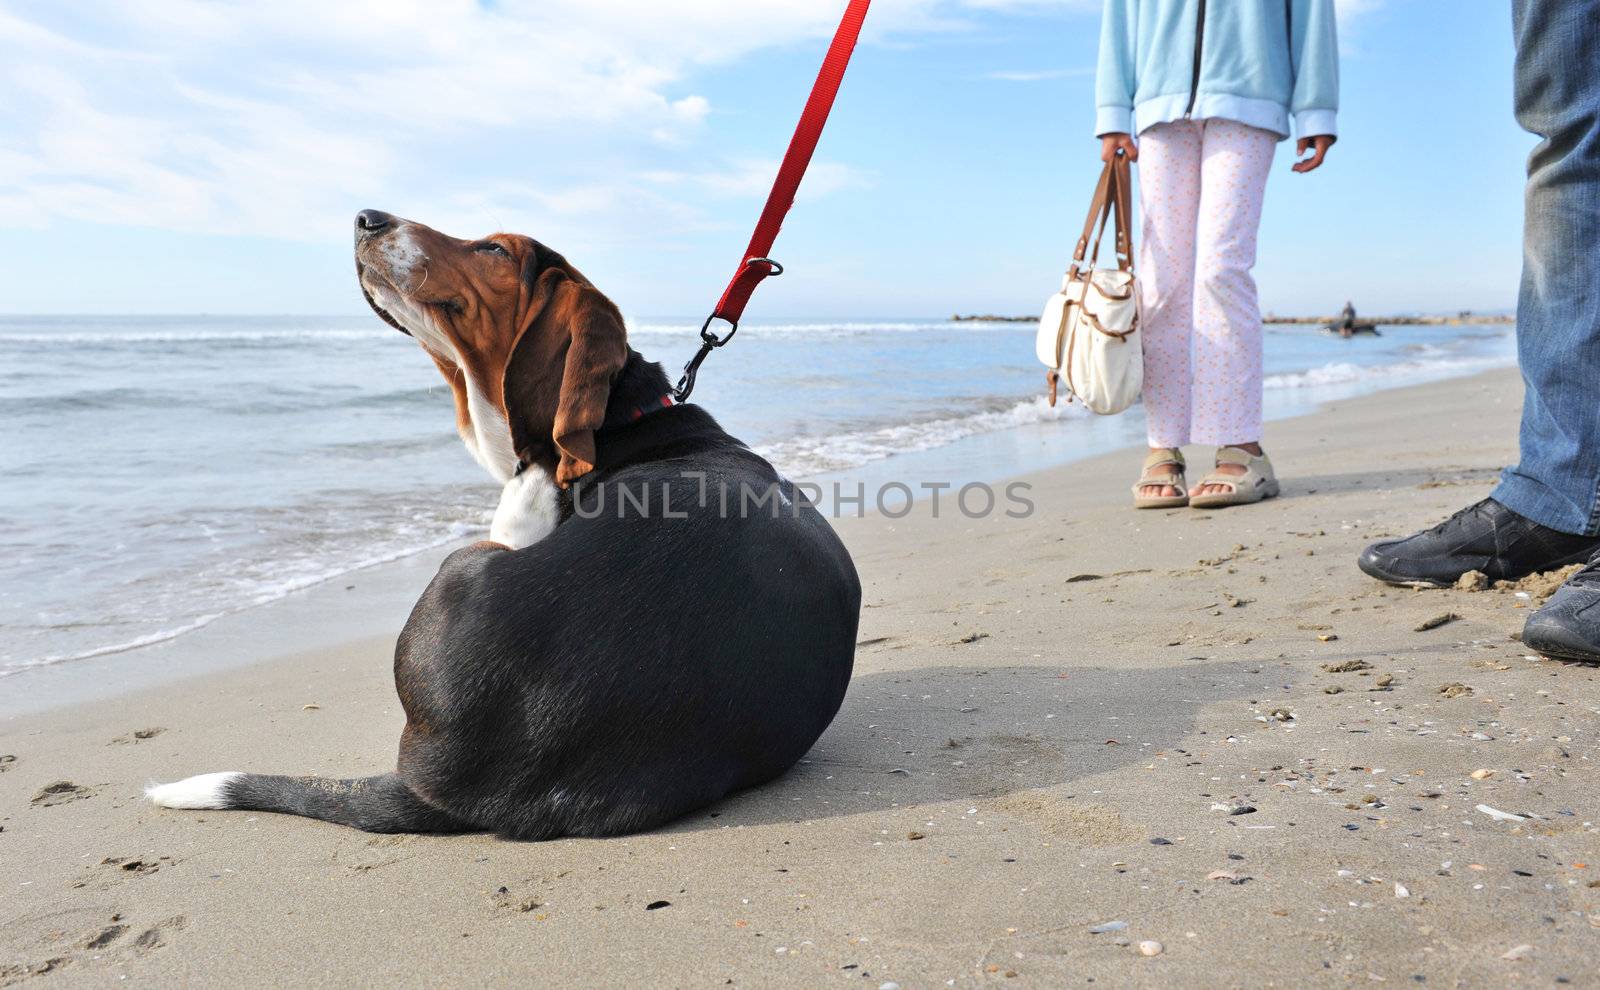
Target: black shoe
(1485, 537)
(1568, 626)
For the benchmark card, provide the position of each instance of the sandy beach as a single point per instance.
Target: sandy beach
(1068, 735)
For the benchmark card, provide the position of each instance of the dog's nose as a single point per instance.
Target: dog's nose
(372, 221)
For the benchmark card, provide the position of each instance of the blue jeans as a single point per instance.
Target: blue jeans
(1557, 482)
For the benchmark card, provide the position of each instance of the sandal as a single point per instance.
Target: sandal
(1257, 483)
(1173, 479)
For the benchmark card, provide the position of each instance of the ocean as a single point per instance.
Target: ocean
(161, 472)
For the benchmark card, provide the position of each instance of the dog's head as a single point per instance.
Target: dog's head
(528, 345)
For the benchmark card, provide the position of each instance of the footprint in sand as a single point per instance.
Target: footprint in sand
(154, 938)
(372, 854)
(105, 936)
(138, 735)
(6, 761)
(506, 900)
(137, 867)
(114, 870)
(54, 940)
(62, 792)
(14, 973)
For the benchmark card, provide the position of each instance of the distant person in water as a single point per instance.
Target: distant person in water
(1200, 95)
(1347, 322)
(1545, 513)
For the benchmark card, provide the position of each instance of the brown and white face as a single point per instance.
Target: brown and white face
(528, 345)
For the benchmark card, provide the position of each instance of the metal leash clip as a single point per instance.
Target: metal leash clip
(709, 340)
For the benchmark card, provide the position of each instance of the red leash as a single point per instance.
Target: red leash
(755, 265)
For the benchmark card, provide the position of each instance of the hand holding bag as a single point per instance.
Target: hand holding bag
(1089, 333)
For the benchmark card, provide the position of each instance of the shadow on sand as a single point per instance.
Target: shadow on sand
(1384, 479)
(940, 734)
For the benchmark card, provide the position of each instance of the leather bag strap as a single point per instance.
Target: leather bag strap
(1097, 208)
(1112, 203)
(1123, 202)
(1110, 213)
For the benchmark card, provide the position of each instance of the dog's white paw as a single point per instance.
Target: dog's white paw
(529, 509)
(207, 790)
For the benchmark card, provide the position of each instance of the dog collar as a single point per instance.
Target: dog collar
(664, 402)
(639, 412)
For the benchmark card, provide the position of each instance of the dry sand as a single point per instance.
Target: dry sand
(1050, 723)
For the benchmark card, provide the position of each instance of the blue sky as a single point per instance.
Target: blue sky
(191, 156)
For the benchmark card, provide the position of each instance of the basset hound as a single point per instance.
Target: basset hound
(658, 618)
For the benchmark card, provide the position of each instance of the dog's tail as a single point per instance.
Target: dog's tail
(373, 804)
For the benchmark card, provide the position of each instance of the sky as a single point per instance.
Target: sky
(207, 156)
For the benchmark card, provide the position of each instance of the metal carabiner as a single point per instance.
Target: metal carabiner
(710, 340)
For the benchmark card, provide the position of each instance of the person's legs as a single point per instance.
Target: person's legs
(1546, 510)
(1169, 198)
(1557, 481)
(1235, 162)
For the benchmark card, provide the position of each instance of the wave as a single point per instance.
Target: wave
(265, 401)
(272, 590)
(321, 551)
(825, 329)
(106, 398)
(264, 592)
(190, 337)
(810, 455)
(643, 328)
(151, 639)
(1346, 373)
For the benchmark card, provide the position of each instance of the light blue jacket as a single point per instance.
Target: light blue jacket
(1260, 62)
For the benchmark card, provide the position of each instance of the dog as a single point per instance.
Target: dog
(604, 663)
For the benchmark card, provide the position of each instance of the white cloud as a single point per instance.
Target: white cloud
(1348, 10)
(1039, 75)
(1034, 5)
(232, 116)
(752, 178)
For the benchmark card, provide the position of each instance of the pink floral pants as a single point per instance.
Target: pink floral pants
(1200, 189)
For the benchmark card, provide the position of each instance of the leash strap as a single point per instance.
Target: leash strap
(755, 265)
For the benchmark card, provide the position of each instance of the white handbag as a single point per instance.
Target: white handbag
(1089, 333)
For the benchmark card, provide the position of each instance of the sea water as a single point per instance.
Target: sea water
(157, 473)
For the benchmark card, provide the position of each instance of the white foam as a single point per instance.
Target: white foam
(1346, 373)
(805, 456)
(197, 337)
(281, 578)
(810, 455)
(137, 642)
(834, 329)
(271, 591)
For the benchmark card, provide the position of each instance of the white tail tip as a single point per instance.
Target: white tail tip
(203, 791)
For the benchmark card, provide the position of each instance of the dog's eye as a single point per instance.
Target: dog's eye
(490, 247)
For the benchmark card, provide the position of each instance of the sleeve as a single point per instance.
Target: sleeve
(1314, 61)
(1115, 82)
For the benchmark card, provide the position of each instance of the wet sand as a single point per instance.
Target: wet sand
(1204, 729)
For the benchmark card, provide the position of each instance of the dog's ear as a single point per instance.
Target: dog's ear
(560, 372)
(598, 350)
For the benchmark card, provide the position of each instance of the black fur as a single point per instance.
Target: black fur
(373, 804)
(622, 671)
